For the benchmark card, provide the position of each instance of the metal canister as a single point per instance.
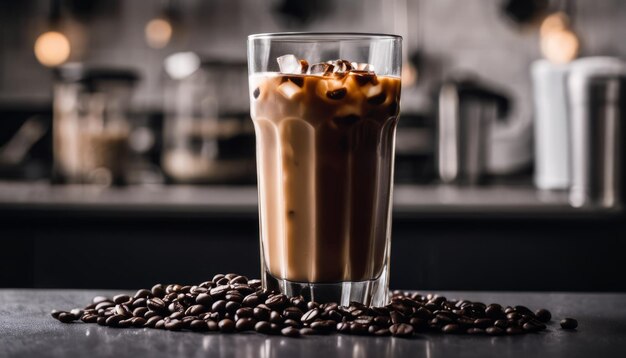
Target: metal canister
(597, 96)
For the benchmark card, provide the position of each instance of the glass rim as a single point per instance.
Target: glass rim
(321, 36)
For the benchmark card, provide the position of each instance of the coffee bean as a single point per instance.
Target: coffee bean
(66, 317)
(262, 314)
(160, 324)
(55, 314)
(494, 331)
(245, 312)
(276, 302)
(397, 317)
(501, 323)
(292, 313)
(401, 330)
(423, 313)
(219, 306)
(311, 315)
(222, 281)
(177, 315)
(494, 311)
(176, 306)
(483, 322)
(152, 321)
(306, 331)
(226, 326)
(543, 315)
(514, 330)
(569, 323)
(530, 327)
(334, 315)
(245, 324)
(381, 332)
(232, 307)
(198, 325)
(219, 292)
(513, 316)
(114, 320)
(239, 279)
(263, 327)
(125, 323)
(212, 326)
(156, 304)
(143, 293)
(121, 299)
(204, 299)
(234, 296)
(366, 320)
(450, 328)
(311, 305)
(104, 305)
(343, 327)
(77, 312)
(475, 331)
(99, 299)
(290, 332)
(158, 290)
(195, 310)
(523, 310)
(89, 318)
(174, 325)
(324, 326)
(358, 329)
(251, 300)
(275, 317)
(140, 311)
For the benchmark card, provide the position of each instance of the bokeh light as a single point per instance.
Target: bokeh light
(52, 48)
(158, 33)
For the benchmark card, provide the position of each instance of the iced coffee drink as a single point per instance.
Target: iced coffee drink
(325, 147)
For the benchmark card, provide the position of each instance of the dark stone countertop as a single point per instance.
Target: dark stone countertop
(26, 329)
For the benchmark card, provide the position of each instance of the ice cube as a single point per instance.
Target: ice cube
(289, 64)
(363, 67)
(377, 99)
(328, 84)
(304, 66)
(323, 69)
(289, 89)
(340, 65)
(372, 91)
(348, 110)
(374, 94)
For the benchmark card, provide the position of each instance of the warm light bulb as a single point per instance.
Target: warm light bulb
(158, 32)
(560, 46)
(52, 48)
(557, 21)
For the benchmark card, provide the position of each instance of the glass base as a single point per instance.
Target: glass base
(373, 293)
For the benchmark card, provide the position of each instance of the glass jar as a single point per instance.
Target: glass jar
(208, 136)
(91, 124)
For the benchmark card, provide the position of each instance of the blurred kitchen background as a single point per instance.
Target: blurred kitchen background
(127, 151)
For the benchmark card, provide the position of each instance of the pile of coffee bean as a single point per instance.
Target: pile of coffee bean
(232, 303)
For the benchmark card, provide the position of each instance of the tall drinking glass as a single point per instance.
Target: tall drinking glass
(325, 109)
